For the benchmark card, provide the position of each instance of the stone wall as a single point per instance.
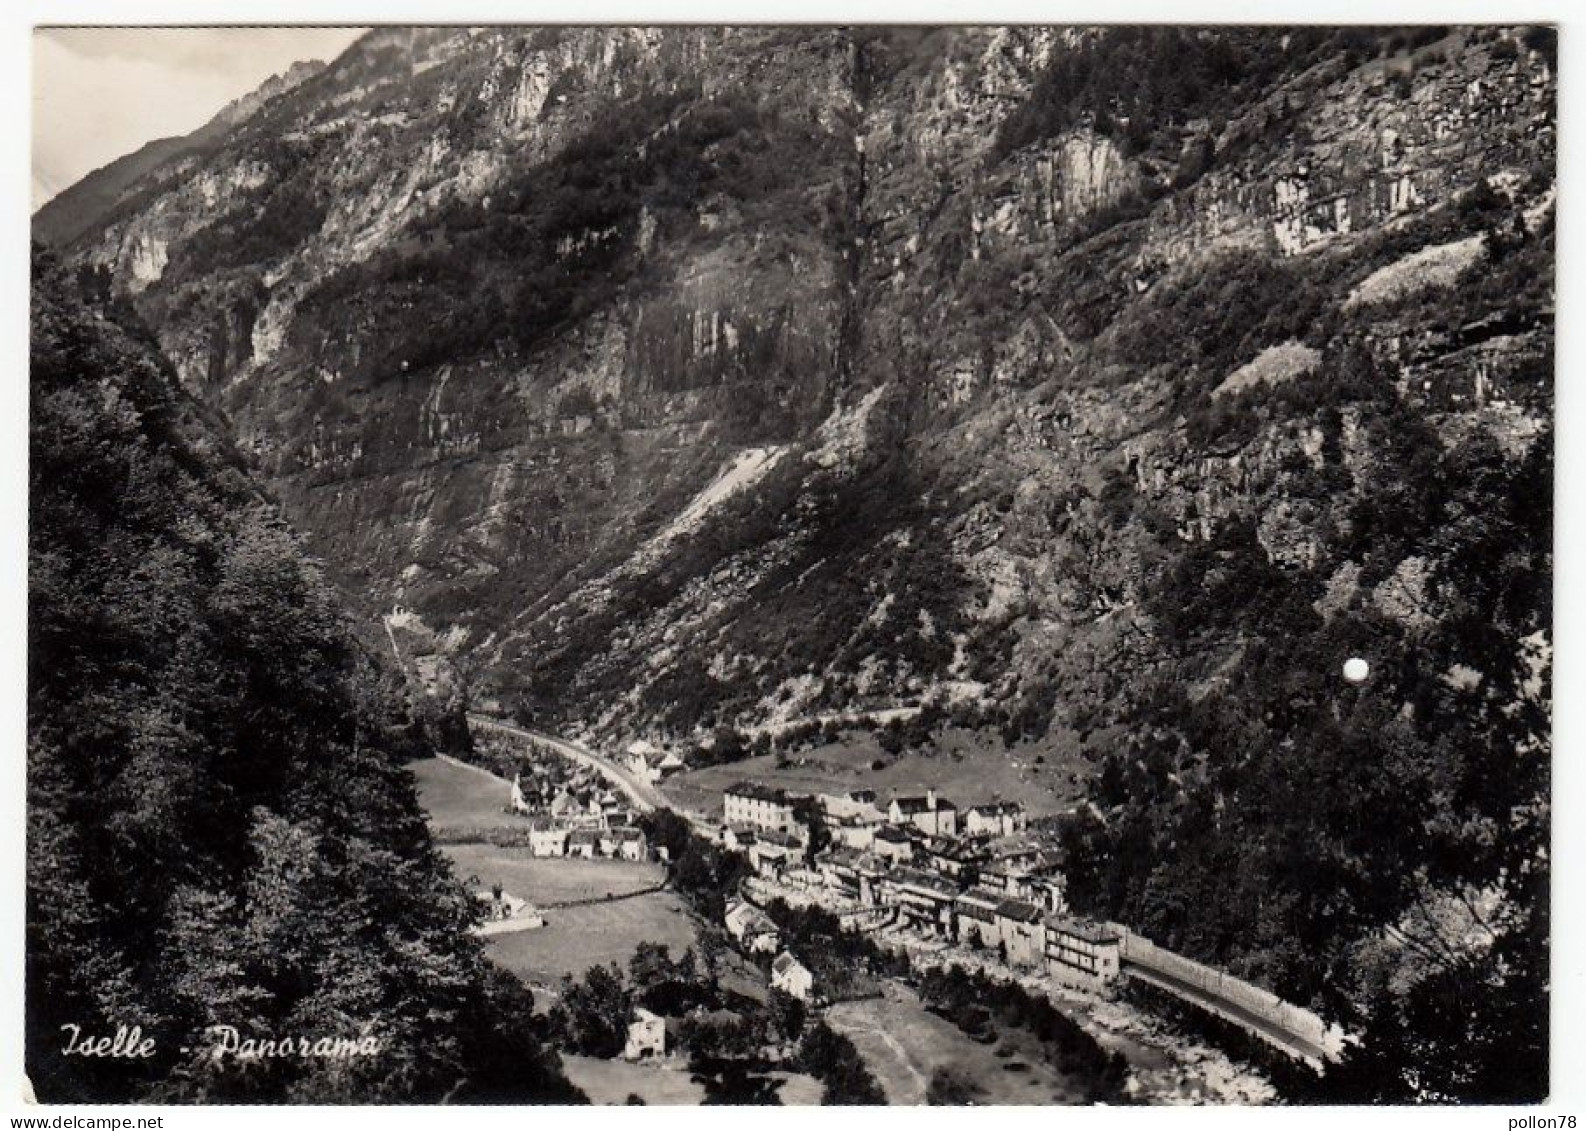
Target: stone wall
(1139, 951)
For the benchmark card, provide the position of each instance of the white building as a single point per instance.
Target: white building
(546, 839)
(646, 760)
(1083, 948)
(791, 976)
(996, 818)
(758, 806)
(930, 814)
(646, 1036)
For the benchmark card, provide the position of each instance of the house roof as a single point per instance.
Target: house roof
(758, 792)
(584, 836)
(871, 864)
(779, 838)
(912, 805)
(955, 851)
(924, 882)
(840, 857)
(895, 836)
(1087, 929)
(987, 901)
(747, 917)
(1019, 911)
(785, 962)
(859, 796)
(997, 808)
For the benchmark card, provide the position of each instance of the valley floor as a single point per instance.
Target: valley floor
(967, 768)
(901, 1042)
(596, 911)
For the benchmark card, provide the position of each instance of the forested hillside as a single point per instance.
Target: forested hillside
(1094, 392)
(221, 831)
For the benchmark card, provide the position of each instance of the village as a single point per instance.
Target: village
(948, 889)
(972, 876)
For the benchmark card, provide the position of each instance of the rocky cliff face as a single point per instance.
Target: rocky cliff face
(1104, 389)
(611, 359)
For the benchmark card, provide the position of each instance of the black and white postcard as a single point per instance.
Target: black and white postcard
(791, 564)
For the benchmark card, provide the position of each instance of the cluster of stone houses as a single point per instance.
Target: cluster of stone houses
(579, 817)
(751, 928)
(755, 933)
(971, 876)
(648, 762)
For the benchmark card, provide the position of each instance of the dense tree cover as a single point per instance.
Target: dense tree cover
(1374, 850)
(220, 828)
(733, 1043)
(705, 874)
(832, 1058)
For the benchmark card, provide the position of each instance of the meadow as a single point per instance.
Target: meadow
(576, 938)
(457, 796)
(963, 767)
(546, 881)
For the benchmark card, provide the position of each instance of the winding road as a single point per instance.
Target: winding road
(641, 794)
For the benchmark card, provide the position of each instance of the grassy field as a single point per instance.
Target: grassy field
(461, 797)
(903, 1043)
(963, 767)
(549, 880)
(798, 1090)
(613, 1081)
(576, 938)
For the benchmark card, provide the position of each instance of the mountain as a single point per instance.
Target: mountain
(1099, 391)
(220, 828)
(85, 205)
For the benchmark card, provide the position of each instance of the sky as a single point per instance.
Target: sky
(100, 93)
